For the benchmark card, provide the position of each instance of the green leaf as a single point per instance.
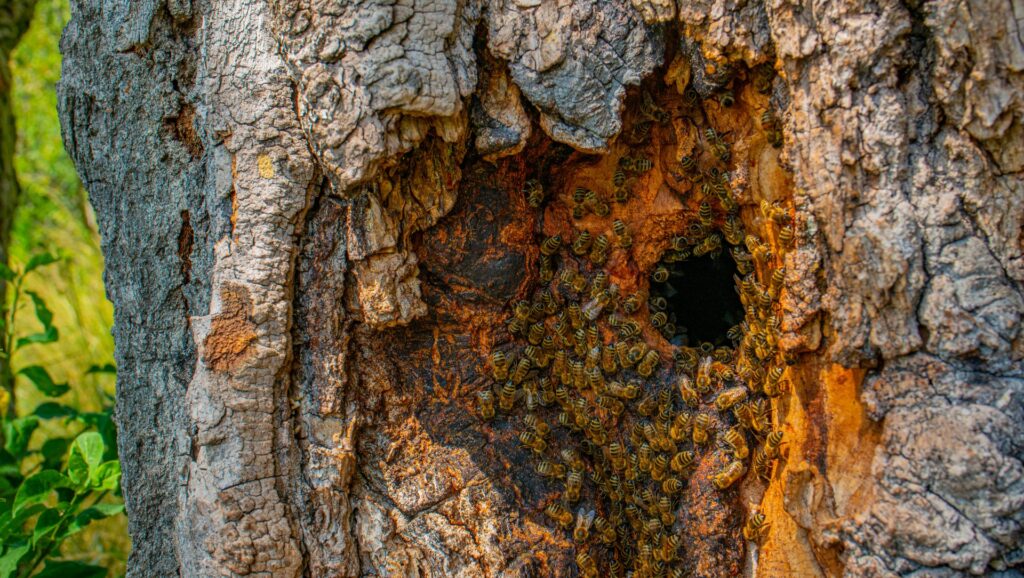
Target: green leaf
(9, 561)
(48, 336)
(103, 422)
(17, 433)
(6, 273)
(45, 524)
(86, 455)
(53, 451)
(12, 524)
(52, 409)
(89, 515)
(107, 476)
(43, 313)
(39, 260)
(40, 378)
(105, 368)
(37, 488)
(69, 569)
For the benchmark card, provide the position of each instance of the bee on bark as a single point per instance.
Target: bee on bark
(680, 429)
(660, 274)
(700, 429)
(486, 402)
(537, 425)
(737, 443)
(641, 164)
(534, 193)
(762, 464)
(640, 132)
(686, 391)
(586, 564)
(682, 461)
(559, 514)
(756, 527)
(620, 230)
(650, 109)
(786, 236)
(647, 365)
(533, 442)
(730, 397)
(772, 443)
(772, 128)
(599, 250)
(550, 469)
(632, 303)
(733, 230)
(584, 518)
(728, 475)
(581, 244)
(550, 245)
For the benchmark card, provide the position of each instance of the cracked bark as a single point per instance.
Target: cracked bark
(314, 226)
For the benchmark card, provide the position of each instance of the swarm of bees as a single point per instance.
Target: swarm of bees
(591, 393)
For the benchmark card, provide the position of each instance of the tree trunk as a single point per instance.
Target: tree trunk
(319, 219)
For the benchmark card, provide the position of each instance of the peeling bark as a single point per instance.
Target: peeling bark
(315, 231)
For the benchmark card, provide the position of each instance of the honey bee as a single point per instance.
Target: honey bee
(728, 475)
(550, 245)
(756, 527)
(772, 443)
(629, 330)
(704, 374)
(507, 396)
(659, 319)
(686, 391)
(586, 564)
(536, 333)
(735, 439)
(786, 236)
(534, 193)
(700, 429)
(537, 425)
(726, 99)
(599, 250)
(658, 467)
(581, 244)
(650, 109)
(660, 274)
(762, 464)
(682, 461)
(774, 389)
(533, 441)
(605, 532)
(640, 132)
(559, 514)
(550, 469)
(632, 303)
(625, 239)
(642, 165)
(499, 366)
(709, 245)
(772, 128)
(584, 520)
(619, 178)
(688, 163)
(730, 397)
(486, 402)
(775, 283)
(647, 365)
(621, 195)
(601, 208)
(680, 427)
(705, 214)
(608, 363)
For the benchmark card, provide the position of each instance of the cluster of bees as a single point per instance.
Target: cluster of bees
(616, 426)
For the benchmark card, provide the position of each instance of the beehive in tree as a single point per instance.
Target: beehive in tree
(524, 288)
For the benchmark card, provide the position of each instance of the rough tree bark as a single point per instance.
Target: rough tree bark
(314, 226)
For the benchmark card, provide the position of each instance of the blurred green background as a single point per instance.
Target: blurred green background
(54, 215)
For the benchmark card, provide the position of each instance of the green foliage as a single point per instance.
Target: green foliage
(53, 489)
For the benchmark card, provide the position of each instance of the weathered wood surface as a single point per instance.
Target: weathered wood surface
(314, 230)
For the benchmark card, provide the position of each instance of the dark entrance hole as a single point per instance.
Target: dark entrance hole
(702, 300)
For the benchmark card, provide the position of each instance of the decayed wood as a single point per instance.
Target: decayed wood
(315, 227)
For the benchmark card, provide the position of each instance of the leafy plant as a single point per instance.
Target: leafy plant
(53, 489)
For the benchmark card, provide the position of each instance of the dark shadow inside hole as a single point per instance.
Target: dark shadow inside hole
(702, 299)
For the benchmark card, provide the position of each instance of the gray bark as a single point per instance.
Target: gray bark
(267, 177)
